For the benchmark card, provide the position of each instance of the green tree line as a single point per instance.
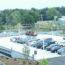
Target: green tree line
(15, 16)
(24, 16)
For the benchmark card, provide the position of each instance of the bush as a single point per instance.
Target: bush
(24, 62)
(43, 62)
(37, 63)
(2, 27)
(29, 63)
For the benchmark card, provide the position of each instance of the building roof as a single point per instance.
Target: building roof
(57, 61)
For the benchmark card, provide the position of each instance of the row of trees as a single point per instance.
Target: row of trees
(13, 17)
(23, 16)
(49, 13)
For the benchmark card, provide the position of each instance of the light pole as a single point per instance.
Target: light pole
(43, 44)
(19, 29)
(6, 22)
(55, 18)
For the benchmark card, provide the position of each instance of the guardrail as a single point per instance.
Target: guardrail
(5, 51)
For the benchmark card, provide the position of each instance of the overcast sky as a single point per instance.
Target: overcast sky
(27, 4)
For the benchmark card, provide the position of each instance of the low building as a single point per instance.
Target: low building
(62, 20)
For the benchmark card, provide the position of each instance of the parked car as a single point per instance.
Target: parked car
(19, 40)
(32, 42)
(35, 39)
(30, 32)
(48, 43)
(61, 51)
(50, 46)
(38, 44)
(62, 43)
(55, 48)
(48, 40)
(13, 39)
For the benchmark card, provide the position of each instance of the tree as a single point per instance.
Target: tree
(35, 15)
(50, 13)
(43, 62)
(33, 9)
(2, 27)
(61, 9)
(28, 19)
(43, 12)
(1, 22)
(14, 18)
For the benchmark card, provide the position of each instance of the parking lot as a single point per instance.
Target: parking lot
(41, 53)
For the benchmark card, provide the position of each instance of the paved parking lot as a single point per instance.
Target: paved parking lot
(5, 41)
(57, 61)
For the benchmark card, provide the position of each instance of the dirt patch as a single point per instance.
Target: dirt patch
(18, 61)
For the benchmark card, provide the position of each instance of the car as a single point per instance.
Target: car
(35, 39)
(38, 44)
(62, 43)
(48, 40)
(50, 46)
(19, 40)
(13, 39)
(32, 42)
(49, 43)
(61, 51)
(31, 33)
(55, 48)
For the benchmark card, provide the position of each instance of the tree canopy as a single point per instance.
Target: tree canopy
(24, 16)
(50, 13)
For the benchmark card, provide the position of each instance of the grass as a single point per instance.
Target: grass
(42, 26)
(46, 26)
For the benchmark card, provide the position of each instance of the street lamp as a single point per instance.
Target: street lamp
(6, 21)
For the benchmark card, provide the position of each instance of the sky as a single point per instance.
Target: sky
(28, 4)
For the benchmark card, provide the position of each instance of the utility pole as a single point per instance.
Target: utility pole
(6, 21)
(55, 18)
(19, 29)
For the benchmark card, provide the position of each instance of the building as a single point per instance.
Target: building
(62, 20)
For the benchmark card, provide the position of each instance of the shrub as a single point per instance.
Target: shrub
(2, 27)
(37, 63)
(29, 63)
(43, 62)
(24, 62)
